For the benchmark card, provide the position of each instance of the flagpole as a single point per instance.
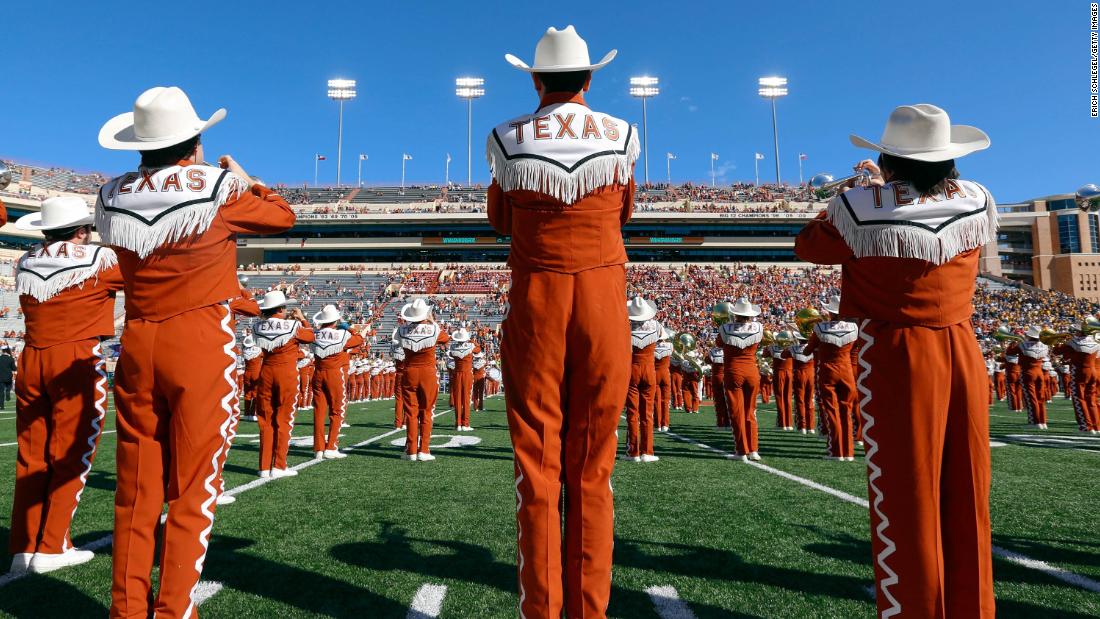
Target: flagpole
(800, 169)
(712, 170)
(316, 159)
(756, 164)
(404, 158)
(668, 171)
(447, 171)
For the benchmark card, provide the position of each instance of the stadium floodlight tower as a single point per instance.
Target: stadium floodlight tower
(773, 88)
(340, 90)
(644, 87)
(469, 88)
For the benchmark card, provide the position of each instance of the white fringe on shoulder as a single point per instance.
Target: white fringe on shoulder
(569, 187)
(908, 241)
(29, 283)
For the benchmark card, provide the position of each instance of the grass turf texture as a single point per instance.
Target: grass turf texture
(358, 537)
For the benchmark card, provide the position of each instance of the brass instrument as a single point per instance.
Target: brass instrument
(1088, 198)
(769, 338)
(1052, 338)
(1005, 334)
(5, 175)
(720, 313)
(1090, 325)
(806, 319)
(683, 343)
(784, 338)
(825, 184)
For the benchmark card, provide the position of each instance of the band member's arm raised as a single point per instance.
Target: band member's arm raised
(820, 242)
(3, 213)
(628, 201)
(245, 305)
(811, 345)
(498, 209)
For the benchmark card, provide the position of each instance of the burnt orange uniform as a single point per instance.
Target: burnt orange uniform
(563, 187)
(642, 390)
(662, 362)
(802, 384)
(306, 369)
(1012, 382)
(676, 382)
(1082, 354)
(330, 395)
(278, 391)
(479, 382)
(909, 266)
(831, 345)
(1033, 379)
(716, 357)
(741, 381)
(420, 388)
(783, 376)
(690, 383)
(398, 354)
(999, 384)
(175, 232)
(253, 361)
(67, 295)
(462, 379)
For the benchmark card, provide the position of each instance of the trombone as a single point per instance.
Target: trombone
(1052, 338)
(5, 175)
(1005, 334)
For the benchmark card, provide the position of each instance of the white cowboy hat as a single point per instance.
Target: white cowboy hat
(416, 311)
(328, 314)
(462, 335)
(248, 342)
(1033, 332)
(742, 307)
(924, 132)
(57, 213)
(638, 309)
(162, 117)
(274, 299)
(833, 306)
(559, 51)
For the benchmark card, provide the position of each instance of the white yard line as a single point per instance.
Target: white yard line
(1053, 571)
(206, 590)
(667, 603)
(427, 602)
(105, 541)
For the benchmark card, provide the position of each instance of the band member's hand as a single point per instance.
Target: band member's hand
(227, 162)
(872, 167)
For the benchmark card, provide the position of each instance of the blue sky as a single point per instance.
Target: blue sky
(1018, 70)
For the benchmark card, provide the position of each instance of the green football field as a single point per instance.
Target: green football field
(697, 534)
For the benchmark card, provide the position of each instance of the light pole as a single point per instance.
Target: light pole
(668, 167)
(469, 88)
(773, 88)
(362, 158)
(340, 90)
(447, 171)
(644, 88)
(713, 158)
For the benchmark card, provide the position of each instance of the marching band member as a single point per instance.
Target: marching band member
(461, 352)
(783, 376)
(1081, 353)
(398, 354)
(173, 222)
(305, 379)
(765, 382)
(418, 335)
(999, 385)
(479, 367)
(253, 360)
(1032, 353)
(803, 380)
(662, 360)
(691, 378)
(1051, 380)
(716, 358)
(1013, 380)
(830, 345)
(562, 188)
(279, 335)
(909, 244)
(642, 391)
(741, 379)
(67, 290)
(676, 383)
(331, 347)
(856, 416)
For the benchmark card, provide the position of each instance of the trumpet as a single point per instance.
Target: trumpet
(1088, 198)
(1052, 338)
(1005, 334)
(1090, 325)
(5, 175)
(825, 183)
(806, 319)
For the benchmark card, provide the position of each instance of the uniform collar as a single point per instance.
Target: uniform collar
(552, 98)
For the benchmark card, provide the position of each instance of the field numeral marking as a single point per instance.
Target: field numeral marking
(427, 602)
(667, 603)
